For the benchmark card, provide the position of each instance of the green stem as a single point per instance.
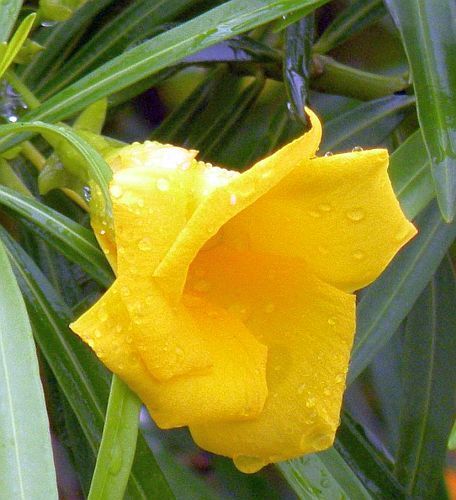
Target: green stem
(118, 444)
(331, 76)
(26, 94)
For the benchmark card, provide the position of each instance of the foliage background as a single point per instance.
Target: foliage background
(230, 79)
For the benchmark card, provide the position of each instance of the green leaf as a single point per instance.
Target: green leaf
(386, 302)
(138, 20)
(452, 440)
(325, 475)
(68, 237)
(17, 41)
(428, 31)
(296, 65)
(365, 125)
(83, 380)
(93, 117)
(9, 11)
(223, 22)
(27, 467)
(427, 412)
(87, 158)
(117, 448)
(356, 17)
(410, 174)
(57, 41)
(371, 467)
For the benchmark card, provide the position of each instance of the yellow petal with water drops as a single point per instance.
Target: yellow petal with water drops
(234, 388)
(339, 213)
(223, 194)
(308, 327)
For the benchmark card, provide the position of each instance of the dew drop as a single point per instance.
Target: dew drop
(86, 193)
(162, 184)
(321, 441)
(238, 310)
(125, 291)
(323, 250)
(202, 286)
(129, 340)
(358, 255)
(355, 215)
(97, 334)
(145, 244)
(91, 343)
(324, 207)
(328, 153)
(327, 392)
(314, 214)
(357, 149)
(116, 191)
(233, 199)
(325, 483)
(301, 388)
(331, 321)
(102, 232)
(179, 352)
(116, 459)
(103, 316)
(310, 403)
(340, 378)
(249, 465)
(269, 308)
(277, 368)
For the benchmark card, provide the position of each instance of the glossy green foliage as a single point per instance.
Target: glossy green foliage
(231, 79)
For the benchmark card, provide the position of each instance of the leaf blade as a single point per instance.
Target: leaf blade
(27, 469)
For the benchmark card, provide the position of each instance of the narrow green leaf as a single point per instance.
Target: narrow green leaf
(324, 475)
(296, 65)
(68, 237)
(9, 11)
(27, 467)
(428, 31)
(138, 20)
(57, 40)
(365, 125)
(16, 42)
(410, 174)
(117, 448)
(386, 302)
(428, 407)
(83, 380)
(89, 159)
(357, 16)
(93, 117)
(452, 440)
(371, 467)
(223, 22)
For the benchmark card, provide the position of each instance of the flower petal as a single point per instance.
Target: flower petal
(227, 200)
(308, 327)
(339, 213)
(234, 388)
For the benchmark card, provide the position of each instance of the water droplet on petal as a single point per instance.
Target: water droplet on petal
(325, 483)
(340, 378)
(125, 291)
(162, 184)
(91, 343)
(328, 153)
(86, 193)
(129, 339)
(202, 286)
(247, 464)
(324, 207)
(310, 403)
(145, 244)
(355, 215)
(233, 199)
(102, 232)
(97, 334)
(116, 191)
(269, 308)
(331, 321)
(179, 352)
(301, 388)
(323, 250)
(314, 213)
(358, 255)
(357, 149)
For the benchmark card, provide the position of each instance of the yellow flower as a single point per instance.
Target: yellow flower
(232, 312)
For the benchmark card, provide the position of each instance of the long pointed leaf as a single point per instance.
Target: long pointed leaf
(27, 468)
(387, 302)
(428, 406)
(428, 31)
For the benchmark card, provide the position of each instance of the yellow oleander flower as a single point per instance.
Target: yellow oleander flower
(232, 312)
